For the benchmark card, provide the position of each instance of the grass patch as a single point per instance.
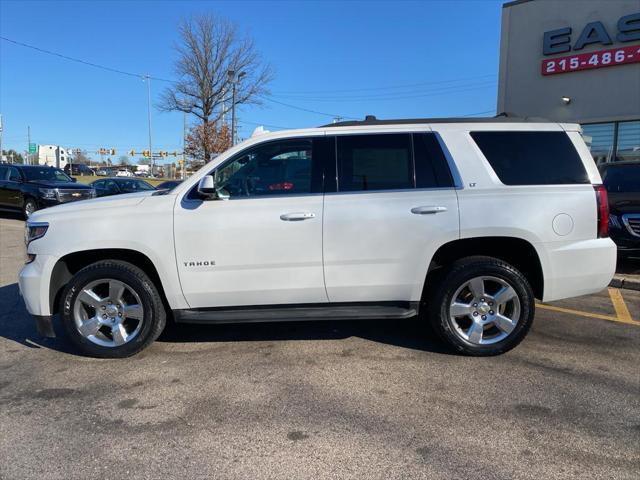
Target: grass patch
(90, 178)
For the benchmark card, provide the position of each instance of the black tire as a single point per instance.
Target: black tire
(450, 279)
(30, 206)
(154, 315)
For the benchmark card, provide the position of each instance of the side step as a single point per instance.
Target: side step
(294, 313)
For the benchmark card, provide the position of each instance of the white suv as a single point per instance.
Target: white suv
(460, 223)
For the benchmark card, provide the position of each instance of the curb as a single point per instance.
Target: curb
(621, 281)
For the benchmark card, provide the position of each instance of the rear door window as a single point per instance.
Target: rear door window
(375, 162)
(532, 158)
(432, 170)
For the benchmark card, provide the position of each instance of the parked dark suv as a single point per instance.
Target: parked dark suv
(28, 188)
(622, 180)
(78, 169)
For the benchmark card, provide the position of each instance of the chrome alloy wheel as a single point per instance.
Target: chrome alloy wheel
(108, 312)
(484, 310)
(29, 208)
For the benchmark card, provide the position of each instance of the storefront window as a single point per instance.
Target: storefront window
(628, 141)
(599, 139)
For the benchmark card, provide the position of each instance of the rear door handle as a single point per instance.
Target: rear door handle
(297, 216)
(428, 209)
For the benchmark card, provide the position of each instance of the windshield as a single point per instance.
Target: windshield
(622, 178)
(48, 174)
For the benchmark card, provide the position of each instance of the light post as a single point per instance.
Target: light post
(233, 79)
(148, 80)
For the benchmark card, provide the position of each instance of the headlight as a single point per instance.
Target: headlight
(49, 193)
(33, 231)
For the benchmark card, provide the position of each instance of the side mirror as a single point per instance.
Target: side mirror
(207, 188)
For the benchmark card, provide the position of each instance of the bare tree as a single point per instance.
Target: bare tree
(123, 160)
(209, 48)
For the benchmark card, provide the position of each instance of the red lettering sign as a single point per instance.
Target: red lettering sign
(588, 61)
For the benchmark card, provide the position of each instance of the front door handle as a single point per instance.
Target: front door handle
(297, 216)
(427, 210)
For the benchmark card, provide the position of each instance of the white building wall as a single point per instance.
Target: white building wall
(53, 155)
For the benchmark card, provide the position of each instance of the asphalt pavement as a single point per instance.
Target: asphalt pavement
(355, 400)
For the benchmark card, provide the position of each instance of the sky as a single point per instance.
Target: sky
(392, 59)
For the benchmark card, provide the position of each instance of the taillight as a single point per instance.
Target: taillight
(602, 204)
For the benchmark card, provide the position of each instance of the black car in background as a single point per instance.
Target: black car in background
(169, 185)
(622, 180)
(78, 169)
(28, 188)
(118, 185)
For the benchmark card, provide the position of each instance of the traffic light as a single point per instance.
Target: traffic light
(145, 153)
(175, 153)
(132, 153)
(160, 153)
(113, 151)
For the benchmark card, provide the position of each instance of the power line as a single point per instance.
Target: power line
(399, 95)
(388, 87)
(306, 109)
(84, 62)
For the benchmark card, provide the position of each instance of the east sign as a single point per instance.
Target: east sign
(559, 41)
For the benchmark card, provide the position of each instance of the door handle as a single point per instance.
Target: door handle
(427, 210)
(297, 216)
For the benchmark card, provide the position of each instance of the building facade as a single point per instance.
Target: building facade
(53, 155)
(575, 61)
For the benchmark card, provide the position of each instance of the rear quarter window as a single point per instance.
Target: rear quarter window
(532, 158)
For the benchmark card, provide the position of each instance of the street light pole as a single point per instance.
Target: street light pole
(148, 78)
(233, 79)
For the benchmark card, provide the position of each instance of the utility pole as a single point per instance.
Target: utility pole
(233, 79)
(29, 159)
(184, 144)
(148, 78)
(0, 137)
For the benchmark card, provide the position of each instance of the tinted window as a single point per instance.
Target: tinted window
(432, 170)
(134, 186)
(624, 178)
(532, 158)
(374, 162)
(14, 175)
(274, 168)
(4, 173)
(45, 173)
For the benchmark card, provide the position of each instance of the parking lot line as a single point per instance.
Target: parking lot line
(622, 312)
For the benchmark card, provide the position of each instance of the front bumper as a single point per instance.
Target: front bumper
(33, 282)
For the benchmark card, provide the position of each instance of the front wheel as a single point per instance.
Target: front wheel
(29, 207)
(481, 306)
(111, 309)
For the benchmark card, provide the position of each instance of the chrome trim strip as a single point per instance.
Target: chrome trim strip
(625, 219)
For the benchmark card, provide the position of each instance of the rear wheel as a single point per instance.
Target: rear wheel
(112, 309)
(481, 306)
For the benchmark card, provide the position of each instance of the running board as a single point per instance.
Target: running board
(294, 313)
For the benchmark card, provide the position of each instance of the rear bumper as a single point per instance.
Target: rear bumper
(572, 269)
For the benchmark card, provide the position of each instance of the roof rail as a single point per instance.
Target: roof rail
(369, 120)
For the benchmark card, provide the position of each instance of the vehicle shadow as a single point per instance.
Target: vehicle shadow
(11, 215)
(410, 333)
(17, 325)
